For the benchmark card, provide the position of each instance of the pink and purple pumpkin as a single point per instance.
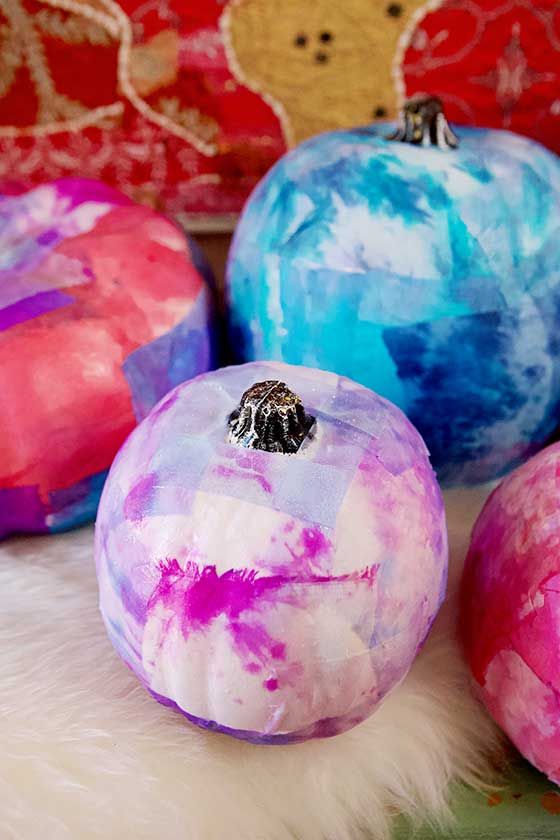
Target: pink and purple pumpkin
(274, 592)
(103, 308)
(511, 608)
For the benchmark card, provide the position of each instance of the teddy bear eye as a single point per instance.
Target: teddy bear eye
(300, 40)
(325, 37)
(394, 10)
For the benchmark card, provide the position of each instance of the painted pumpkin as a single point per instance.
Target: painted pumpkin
(103, 308)
(271, 551)
(511, 608)
(423, 263)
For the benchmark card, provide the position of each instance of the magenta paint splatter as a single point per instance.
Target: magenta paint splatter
(314, 542)
(278, 650)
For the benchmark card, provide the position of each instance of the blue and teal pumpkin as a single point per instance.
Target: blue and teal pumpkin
(427, 270)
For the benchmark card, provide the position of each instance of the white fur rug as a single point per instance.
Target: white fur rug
(87, 754)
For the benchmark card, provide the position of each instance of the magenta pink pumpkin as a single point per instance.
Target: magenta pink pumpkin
(511, 608)
(103, 308)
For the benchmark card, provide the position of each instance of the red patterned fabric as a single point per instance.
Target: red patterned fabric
(189, 140)
(494, 63)
(184, 104)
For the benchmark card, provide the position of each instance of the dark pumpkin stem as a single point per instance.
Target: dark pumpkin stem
(422, 122)
(270, 417)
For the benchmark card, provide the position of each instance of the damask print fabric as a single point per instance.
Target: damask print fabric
(184, 106)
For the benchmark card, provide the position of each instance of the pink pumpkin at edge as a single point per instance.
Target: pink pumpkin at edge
(511, 608)
(103, 308)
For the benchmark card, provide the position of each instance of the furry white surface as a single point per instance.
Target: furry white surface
(86, 753)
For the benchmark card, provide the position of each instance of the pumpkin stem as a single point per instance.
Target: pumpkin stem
(270, 417)
(422, 122)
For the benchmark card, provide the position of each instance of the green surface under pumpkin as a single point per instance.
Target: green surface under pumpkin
(525, 807)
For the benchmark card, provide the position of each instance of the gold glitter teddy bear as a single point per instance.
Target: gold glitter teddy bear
(321, 64)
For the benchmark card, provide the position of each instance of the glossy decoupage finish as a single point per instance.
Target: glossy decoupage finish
(102, 310)
(276, 597)
(511, 608)
(430, 275)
